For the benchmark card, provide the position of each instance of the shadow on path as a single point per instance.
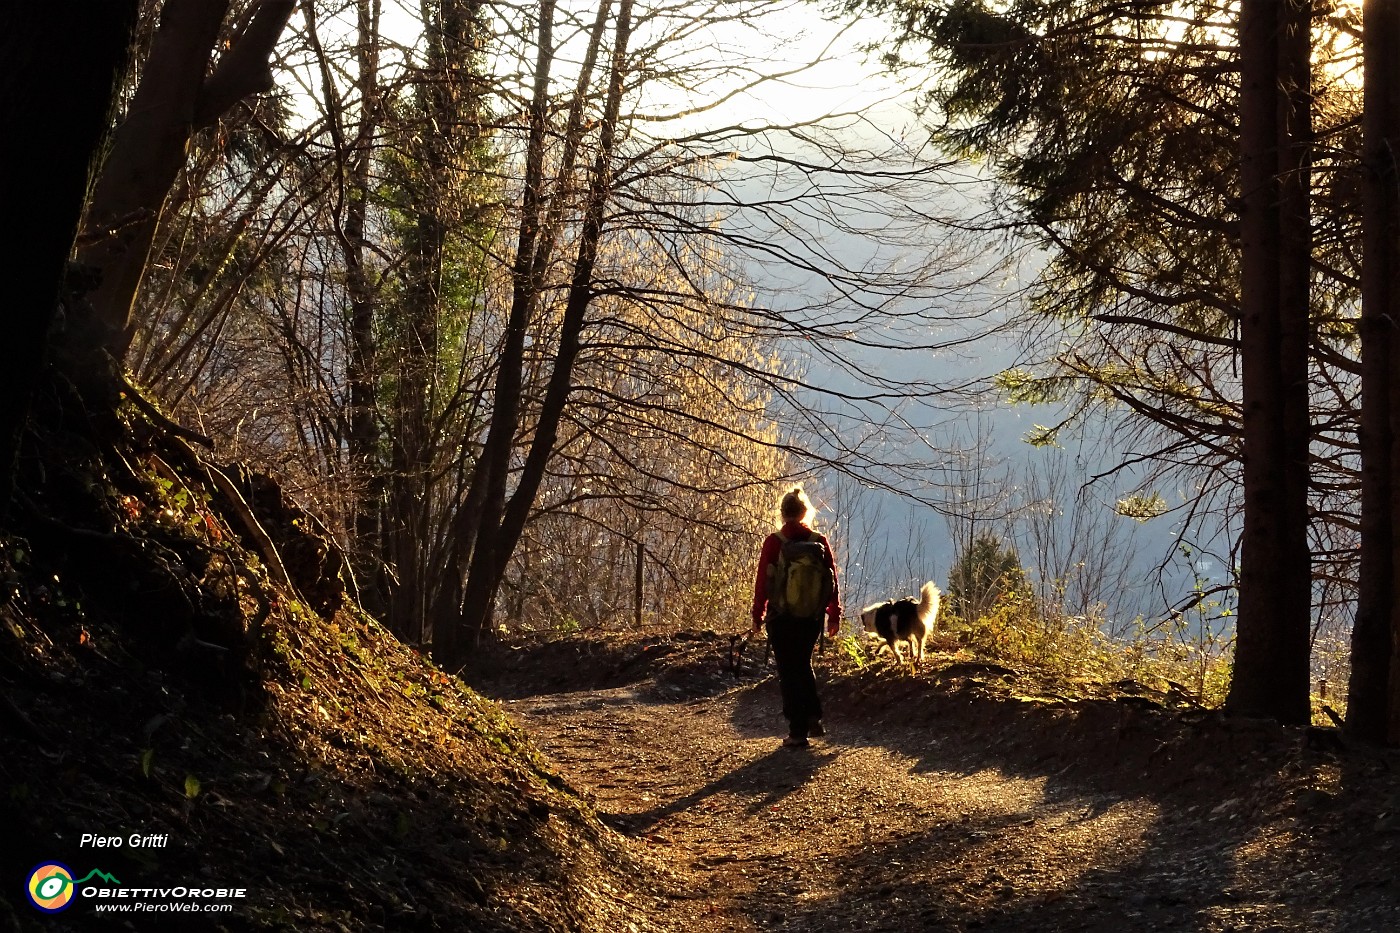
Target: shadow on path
(1180, 825)
(761, 783)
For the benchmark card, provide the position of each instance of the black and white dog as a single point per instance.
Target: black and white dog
(904, 621)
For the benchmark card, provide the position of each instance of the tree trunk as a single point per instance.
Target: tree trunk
(148, 150)
(355, 154)
(489, 559)
(363, 441)
(1371, 636)
(411, 461)
(60, 62)
(1272, 643)
(433, 175)
(539, 231)
(481, 507)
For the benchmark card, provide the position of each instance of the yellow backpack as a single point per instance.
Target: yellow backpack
(800, 583)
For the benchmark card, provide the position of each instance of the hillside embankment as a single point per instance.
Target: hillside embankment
(199, 724)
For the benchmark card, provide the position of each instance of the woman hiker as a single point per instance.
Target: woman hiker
(794, 589)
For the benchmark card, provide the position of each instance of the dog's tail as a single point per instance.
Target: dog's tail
(928, 603)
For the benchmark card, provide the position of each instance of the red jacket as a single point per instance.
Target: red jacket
(793, 531)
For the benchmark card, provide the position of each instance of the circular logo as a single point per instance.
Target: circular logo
(51, 887)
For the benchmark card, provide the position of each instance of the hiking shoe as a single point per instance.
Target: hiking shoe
(815, 729)
(795, 741)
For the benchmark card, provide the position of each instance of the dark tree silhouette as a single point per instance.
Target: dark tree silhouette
(57, 83)
(1272, 647)
(1368, 707)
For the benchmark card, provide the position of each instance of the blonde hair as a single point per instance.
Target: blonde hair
(794, 505)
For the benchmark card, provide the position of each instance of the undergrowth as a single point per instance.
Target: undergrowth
(1023, 632)
(1185, 657)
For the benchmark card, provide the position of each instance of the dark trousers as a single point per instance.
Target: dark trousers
(793, 641)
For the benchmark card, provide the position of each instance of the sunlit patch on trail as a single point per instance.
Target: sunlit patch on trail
(1000, 832)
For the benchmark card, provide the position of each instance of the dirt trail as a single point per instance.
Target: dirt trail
(905, 822)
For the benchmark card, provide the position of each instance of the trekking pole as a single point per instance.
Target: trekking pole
(737, 643)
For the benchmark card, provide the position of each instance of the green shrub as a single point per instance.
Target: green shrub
(987, 569)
